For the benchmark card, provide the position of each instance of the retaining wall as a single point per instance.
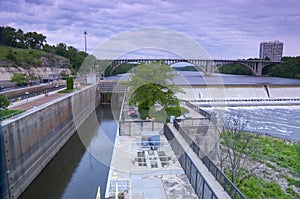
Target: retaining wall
(32, 140)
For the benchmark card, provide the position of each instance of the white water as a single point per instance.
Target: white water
(281, 121)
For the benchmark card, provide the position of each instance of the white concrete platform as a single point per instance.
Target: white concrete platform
(142, 181)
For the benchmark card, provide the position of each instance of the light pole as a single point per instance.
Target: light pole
(85, 33)
(27, 93)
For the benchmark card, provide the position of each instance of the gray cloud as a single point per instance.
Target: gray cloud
(226, 29)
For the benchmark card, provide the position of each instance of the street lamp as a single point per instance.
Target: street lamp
(85, 33)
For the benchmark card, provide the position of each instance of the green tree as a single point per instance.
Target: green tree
(20, 79)
(34, 40)
(4, 102)
(237, 149)
(70, 83)
(153, 84)
(235, 69)
(290, 68)
(8, 36)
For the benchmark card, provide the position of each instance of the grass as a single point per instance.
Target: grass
(276, 154)
(283, 153)
(24, 57)
(5, 113)
(68, 90)
(255, 187)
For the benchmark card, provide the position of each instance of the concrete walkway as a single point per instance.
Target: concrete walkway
(192, 113)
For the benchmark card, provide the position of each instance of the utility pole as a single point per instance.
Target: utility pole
(85, 33)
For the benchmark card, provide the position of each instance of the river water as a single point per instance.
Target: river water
(281, 121)
(74, 173)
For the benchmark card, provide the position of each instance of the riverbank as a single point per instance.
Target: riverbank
(274, 168)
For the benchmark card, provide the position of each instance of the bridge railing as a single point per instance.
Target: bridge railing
(228, 186)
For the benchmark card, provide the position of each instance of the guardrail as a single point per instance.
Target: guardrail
(198, 182)
(196, 108)
(135, 127)
(228, 186)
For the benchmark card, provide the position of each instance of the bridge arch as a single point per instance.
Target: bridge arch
(254, 72)
(117, 63)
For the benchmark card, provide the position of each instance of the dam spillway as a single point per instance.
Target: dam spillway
(241, 95)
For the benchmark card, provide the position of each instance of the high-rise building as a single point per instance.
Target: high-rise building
(272, 50)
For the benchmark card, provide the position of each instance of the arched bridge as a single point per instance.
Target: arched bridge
(207, 66)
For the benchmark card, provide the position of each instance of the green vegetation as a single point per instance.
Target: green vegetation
(255, 187)
(152, 85)
(289, 68)
(4, 102)
(235, 69)
(276, 154)
(67, 91)
(19, 39)
(70, 83)
(123, 68)
(186, 68)
(22, 57)
(26, 49)
(283, 153)
(5, 113)
(20, 79)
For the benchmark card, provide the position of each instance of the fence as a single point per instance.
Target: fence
(193, 122)
(135, 127)
(199, 110)
(228, 186)
(198, 182)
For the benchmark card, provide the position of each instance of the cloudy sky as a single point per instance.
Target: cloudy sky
(224, 28)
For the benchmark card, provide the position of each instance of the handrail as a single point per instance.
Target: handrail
(225, 182)
(198, 182)
(196, 108)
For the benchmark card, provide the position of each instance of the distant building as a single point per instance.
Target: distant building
(272, 50)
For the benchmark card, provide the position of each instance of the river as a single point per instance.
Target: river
(74, 172)
(281, 121)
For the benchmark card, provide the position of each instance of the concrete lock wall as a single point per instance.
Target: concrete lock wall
(32, 140)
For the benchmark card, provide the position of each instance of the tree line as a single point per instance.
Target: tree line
(289, 68)
(11, 37)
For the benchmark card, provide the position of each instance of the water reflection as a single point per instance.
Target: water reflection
(74, 172)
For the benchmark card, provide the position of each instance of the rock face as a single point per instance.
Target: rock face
(41, 72)
(50, 67)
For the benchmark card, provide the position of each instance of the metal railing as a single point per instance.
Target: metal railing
(198, 182)
(194, 122)
(199, 110)
(135, 127)
(228, 186)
